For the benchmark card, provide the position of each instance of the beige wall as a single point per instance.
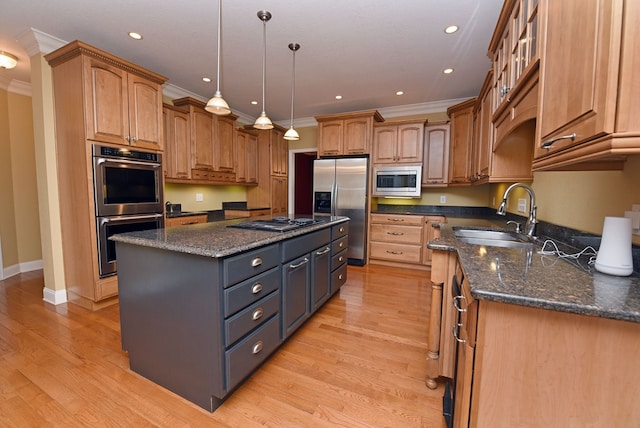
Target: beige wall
(19, 220)
(212, 196)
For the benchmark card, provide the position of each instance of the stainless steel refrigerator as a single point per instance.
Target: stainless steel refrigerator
(340, 188)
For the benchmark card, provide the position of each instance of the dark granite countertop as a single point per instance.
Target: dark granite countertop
(215, 239)
(525, 277)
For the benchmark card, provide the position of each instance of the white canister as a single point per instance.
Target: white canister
(614, 256)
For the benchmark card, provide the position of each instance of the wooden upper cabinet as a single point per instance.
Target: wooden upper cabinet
(224, 158)
(590, 99)
(460, 145)
(121, 107)
(398, 142)
(201, 139)
(279, 152)
(177, 133)
(246, 157)
(435, 164)
(346, 134)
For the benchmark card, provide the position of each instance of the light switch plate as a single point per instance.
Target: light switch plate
(522, 205)
(199, 197)
(443, 199)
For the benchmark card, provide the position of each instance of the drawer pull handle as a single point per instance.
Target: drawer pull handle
(341, 244)
(256, 262)
(340, 259)
(395, 219)
(455, 330)
(341, 229)
(395, 233)
(257, 314)
(256, 288)
(397, 253)
(547, 144)
(340, 277)
(305, 261)
(457, 303)
(257, 347)
(325, 251)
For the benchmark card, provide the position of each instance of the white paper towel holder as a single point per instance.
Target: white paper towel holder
(614, 256)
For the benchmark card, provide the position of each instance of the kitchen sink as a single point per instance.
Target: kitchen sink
(491, 237)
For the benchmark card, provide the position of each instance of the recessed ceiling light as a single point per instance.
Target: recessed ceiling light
(254, 103)
(447, 70)
(135, 35)
(400, 93)
(338, 97)
(206, 79)
(451, 29)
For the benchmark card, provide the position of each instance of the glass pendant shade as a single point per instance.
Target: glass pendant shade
(217, 105)
(291, 135)
(7, 60)
(263, 121)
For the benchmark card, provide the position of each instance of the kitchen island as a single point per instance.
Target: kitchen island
(530, 339)
(203, 306)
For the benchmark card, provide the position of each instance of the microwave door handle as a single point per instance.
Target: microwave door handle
(127, 161)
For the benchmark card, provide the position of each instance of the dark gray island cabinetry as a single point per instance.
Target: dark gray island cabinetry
(202, 306)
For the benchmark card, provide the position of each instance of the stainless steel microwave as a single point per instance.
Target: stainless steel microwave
(397, 180)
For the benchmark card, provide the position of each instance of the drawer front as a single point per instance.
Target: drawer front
(339, 245)
(243, 266)
(339, 230)
(338, 278)
(397, 234)
(246, 320)
(250, 291)
(247, 354)
(338, 260)
(396, 252)
(294, 247)
(411, 220)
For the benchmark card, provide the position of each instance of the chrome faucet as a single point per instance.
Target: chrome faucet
(530, 226)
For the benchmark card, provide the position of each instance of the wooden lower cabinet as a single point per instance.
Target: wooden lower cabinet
(400, 240)
(185, 220)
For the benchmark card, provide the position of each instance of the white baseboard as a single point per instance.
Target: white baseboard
(55, 297)
(10, 271)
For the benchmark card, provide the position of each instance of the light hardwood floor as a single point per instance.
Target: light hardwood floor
(359, 362)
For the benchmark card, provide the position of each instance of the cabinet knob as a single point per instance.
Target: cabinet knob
(257, 314)
(256, 288)
(257, 347)
(256, 262)
(128, 138)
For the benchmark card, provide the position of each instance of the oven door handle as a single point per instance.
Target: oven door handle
(127, 161)
(105, 220)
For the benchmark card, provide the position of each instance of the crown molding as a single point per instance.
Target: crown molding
(35, 41)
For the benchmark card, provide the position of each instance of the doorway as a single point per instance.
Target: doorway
(301, 182)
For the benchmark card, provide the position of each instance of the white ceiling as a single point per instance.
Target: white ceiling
(364, 50)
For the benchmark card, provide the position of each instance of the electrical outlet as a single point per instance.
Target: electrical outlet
(493, 201)
(522, 205)
(443, 199)
(199, 197)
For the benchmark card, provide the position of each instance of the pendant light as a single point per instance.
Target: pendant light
(292, 134)
(217, 104)
(263, 121)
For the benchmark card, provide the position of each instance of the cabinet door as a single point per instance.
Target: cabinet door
(385, 139)
(145, 113)
(409, 144)
(224, 154)
(251, 159)
(279, 153)
(201, 140)
(460, 147)
(579, 78)
(357, 135)
(295, 286)
(178, 140)
(330, 138)
(279, 192)
(320, 276)
(435, 165)
(241, 156)
(106, 103)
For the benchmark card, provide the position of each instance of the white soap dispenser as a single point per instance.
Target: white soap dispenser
(614, 256)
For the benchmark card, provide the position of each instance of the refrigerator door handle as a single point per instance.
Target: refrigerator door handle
(334, 198)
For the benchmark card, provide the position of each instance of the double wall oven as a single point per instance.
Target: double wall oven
(128, 197)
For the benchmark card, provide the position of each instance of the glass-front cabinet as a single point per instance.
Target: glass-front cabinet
(514, 47)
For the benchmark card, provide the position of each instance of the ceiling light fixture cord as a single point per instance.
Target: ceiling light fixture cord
(263, 122)
(292, 134)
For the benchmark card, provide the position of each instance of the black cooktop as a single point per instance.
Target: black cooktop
(277, 224)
